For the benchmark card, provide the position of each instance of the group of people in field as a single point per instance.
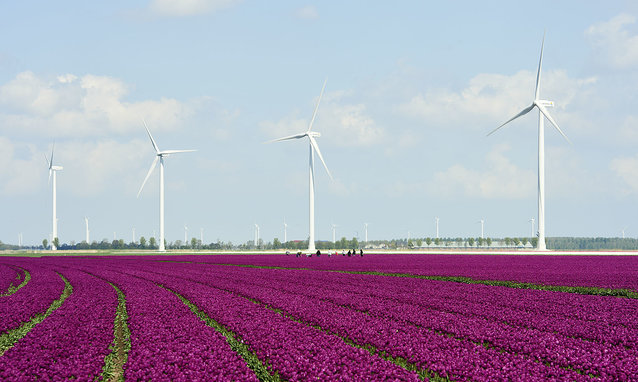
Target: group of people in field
(350, 253)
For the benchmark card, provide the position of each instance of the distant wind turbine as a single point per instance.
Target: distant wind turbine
(185, 234)
(256, 234)
(159, 157)
(436, 219)
(53, 169)
(285, 231)
(311, 135)
(365, 226)
(532, 221)
(334, 233)
(86, 226)
(482, 225)
(543, 113)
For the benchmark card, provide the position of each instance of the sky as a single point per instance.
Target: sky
(412, 90)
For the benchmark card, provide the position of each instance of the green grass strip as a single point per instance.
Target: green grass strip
(12, 288)
(114, 362)
(9, 338)
(593, 291)
(251, 359)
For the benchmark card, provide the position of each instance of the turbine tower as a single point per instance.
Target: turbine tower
(53, 169)
(543, 113)
(285, 231)
(365, 226)
(256, 234)
(159, 157)
(436, 219)
(482, 225)
(86, 226)
(532, 233)
(334, 233)
(185, 234)
(311, 135)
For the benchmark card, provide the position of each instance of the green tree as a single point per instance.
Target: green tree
(56, 242)
(534, 242)
(419, 242)
(152, 243)
(437, 241)
(276, 244)
(516, 241)
(508, 241)
(142, 242)
(489, 242)
(45, 243)
(479, 241)
(428, 241)
(193, 243)
(470, 241)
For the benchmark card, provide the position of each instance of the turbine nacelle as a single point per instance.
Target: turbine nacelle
(314, 134)
(542, 102)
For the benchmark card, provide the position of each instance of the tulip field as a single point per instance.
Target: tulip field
(285, 318)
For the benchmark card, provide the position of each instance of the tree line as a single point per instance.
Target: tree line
(556, 243)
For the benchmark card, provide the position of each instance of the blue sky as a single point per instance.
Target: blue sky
(412, 90)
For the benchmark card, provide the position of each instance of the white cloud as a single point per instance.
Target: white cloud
(309, 12)
(94, 168)
(627, 170)
(613, 43)
(340, 123)
(490, 99)
(20, 174)
(86, 106)
(180, 8)
(500, 179)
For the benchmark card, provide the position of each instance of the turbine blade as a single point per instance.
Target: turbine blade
(51, 162)
(50, 172)
(544, 111)
(150, 136)
(287, 138)
(48, 163)
(315, 146)
(538, 74)
(149, 174)
(314, 114)
(523, 112)
(166, 152)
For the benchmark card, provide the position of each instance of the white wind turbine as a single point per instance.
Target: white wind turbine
(311, 135)
(53, 169)
(365, 227)
(285, 231)
(159, 157)
(86, 226)
(256, 234)
(532, 232)
(543, 113)
(334, 233)
(482, 225)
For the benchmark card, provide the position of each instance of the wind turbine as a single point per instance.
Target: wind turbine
(543, 113)
(482, 225)
(311, 135)
(285, 231)
(436, 219)
(159, 157)
(365, 225)
(185, 234)
(532, 221)
(86, 226)
(256, 234)
(334, 233)
(53, 169)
